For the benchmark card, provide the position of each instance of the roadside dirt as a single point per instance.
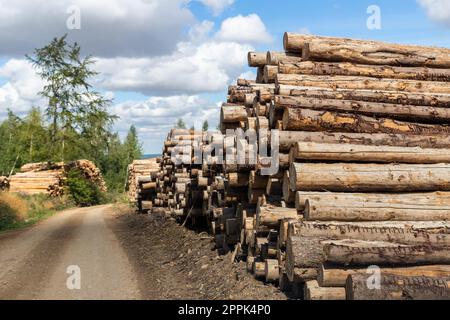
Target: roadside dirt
(173, 262)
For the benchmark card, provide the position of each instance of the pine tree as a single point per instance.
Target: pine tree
(180, 124)
(205, 126)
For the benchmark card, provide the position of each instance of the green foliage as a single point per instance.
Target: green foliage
(75, 124)
(180, 124)
(81, 191)
(205, 126)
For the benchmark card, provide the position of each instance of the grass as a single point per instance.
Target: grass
(17, 211)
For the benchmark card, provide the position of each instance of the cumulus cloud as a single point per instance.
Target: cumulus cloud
(217, 6)
(108, 27)
(207, 67)
(244, 29)
(157, 115)
(437, 10)
(21, 89)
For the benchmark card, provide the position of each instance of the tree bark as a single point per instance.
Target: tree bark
(362, 83)
(312, 120)
(395, 111)
(397, 288)
(358, 70)
(366, 153)
(369, 177)
(331, 277)
(288, 138)
(312, 291)
(274, 58)
(365, 52)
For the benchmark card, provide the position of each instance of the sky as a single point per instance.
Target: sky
(161, 60)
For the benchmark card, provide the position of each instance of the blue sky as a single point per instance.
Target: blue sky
(175, 59)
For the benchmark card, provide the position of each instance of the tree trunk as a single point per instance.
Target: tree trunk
(312, 291)
(408, 232)
(397, 288)
(257, 59)
(369, 177)
(274, 58)
(365, 253)
(331, 277)
(270, 216)
(312, 120)
(395, 111)
(394, 97)
(358, 70)
(365, 52)
(360, 83)
(366, 153)
(288, 138)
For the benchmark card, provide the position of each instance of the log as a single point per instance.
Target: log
(395, 111)
(369, 177)
(302, 252)
(365, 253)
(275, 58)
(394, 287)
(257, 59)
(407, 232)
(237, 179)
(270, 74)
(312, 120)
(271, 270)
(270, 216)
(394, 97)
(331, 277)
(312, 291)
(365, 52)
(358, 70)
(362, 83)
(311, 151)
(288, 138)
(233, 114)
(426, 200)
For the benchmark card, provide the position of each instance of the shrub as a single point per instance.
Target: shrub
(82, 191)
(13, 209)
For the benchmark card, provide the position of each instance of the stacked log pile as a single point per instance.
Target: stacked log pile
(139, 181)
(50, 178)
(360, 132)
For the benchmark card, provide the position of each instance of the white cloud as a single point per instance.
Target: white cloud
(22, 87)
(108, 27)
(208, 67)
(437, 10)
(157, 115)
(217, 6)
(244, 29)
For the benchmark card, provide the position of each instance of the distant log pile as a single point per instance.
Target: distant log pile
(140, 174)
(50, 178)
(359, 131)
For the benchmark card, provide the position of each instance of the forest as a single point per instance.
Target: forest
(76, 123)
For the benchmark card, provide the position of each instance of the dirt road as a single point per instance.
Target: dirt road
(113, 253)
(34, 263)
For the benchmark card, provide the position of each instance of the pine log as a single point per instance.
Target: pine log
(233, 114)
(407, 232)
(369, 177)
(332, 277)
(312, 120)
(392, 287)
(312, 291)
(365, 52)
(365, 253)
(257, 59)
(288, 138)
(362, 83)
(358, 70)
(275, 58)
(270, 216)
(368, 153)
(394, 97)
(270, 73)
(395, 111)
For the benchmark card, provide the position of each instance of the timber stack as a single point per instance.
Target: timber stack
(359, 131)
(50, 178)
(140, 180)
